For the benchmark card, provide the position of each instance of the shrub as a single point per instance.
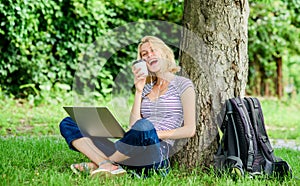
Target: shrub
(43, 42)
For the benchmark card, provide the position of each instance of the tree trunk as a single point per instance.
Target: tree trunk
(279, 87)
(214, 56)
(254, 79)
(263, 81)
(267, 88)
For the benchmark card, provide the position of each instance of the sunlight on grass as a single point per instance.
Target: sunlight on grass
(46, 161)
(20, 118)
(282, 118)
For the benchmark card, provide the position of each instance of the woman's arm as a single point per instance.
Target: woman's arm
(139, 82)
(188, 100)
(135, 113)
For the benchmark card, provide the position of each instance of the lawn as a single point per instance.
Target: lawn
(46, 160)
(33, 153)
(282, 118)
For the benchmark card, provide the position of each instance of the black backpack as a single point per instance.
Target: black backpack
(244, 145)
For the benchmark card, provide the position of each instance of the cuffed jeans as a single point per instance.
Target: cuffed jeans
(146, 151)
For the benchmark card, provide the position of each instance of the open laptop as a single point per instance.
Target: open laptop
(95, 121)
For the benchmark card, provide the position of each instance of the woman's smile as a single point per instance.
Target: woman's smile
(152, 62)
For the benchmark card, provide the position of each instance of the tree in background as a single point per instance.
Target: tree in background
(273, 41)
(42, 42)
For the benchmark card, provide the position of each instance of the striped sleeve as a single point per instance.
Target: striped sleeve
(184, 84)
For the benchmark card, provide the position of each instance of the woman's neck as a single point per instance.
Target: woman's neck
(164, 77)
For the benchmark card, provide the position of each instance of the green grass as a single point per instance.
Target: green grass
(34, 153)
(282, 118)
(46, 161)
(20, 118)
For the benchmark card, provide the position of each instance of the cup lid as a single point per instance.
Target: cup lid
(138, 61)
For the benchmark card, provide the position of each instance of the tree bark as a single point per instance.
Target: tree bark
(267, 91)
(214, 56)
(279, 86)
(263, 81)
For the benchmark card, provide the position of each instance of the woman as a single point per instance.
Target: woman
(163, 110)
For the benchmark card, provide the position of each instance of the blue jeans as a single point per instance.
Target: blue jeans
(146, 151)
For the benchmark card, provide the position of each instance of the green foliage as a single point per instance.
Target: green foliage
(294, 7)
(44, 42)
(89, 45)
(293, 67)
(273, 34)
(41, 40)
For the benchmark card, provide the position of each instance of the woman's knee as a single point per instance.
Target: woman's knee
(67, 123)
(70, 131)
(143, 125)
(69, 128)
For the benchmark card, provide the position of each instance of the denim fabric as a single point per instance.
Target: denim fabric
(70, 131)
(141, 143)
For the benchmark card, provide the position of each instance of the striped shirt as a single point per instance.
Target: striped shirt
(166, 112)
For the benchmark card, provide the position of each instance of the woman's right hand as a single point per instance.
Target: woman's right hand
(139, 79)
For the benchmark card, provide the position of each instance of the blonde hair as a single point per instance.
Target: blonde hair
(167, 52)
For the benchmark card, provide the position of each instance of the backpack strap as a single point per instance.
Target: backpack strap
(236, 168)
(253, 115)
(233, 162)
(229, 113)
(221, 156)
(238, 161)
(261, 131)
(247, 125)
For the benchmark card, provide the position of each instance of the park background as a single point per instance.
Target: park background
(41, 48)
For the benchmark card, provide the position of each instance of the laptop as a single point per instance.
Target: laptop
(95, 121)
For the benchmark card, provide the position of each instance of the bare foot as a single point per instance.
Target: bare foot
(108, 169)
(109, 166)
(83, 167)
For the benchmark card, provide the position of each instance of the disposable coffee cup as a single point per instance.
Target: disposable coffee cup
(141, 64)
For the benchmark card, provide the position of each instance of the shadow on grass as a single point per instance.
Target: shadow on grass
(46, 160)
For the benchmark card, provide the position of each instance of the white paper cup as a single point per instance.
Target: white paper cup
(141, 64)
